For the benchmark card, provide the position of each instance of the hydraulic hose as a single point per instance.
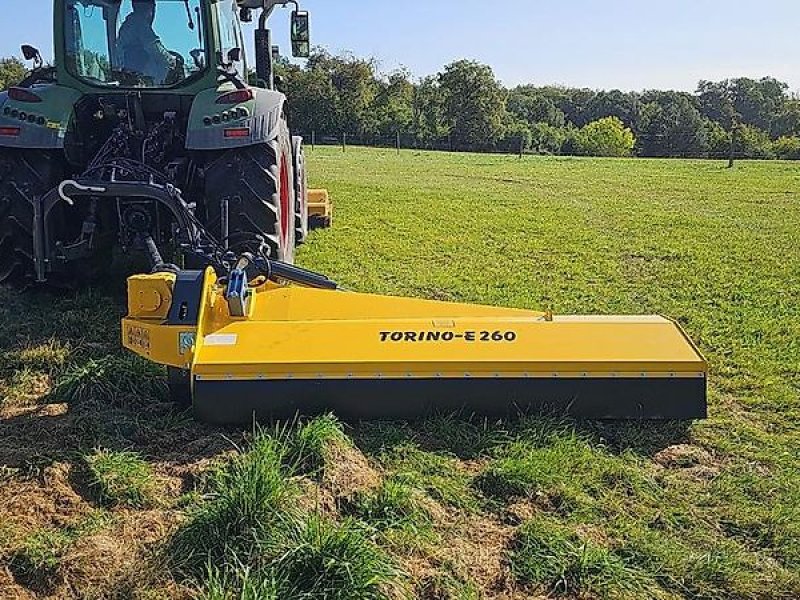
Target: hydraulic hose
(276, 270)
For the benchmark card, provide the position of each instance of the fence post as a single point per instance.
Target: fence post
(313, 140)
(344, 142)
(521, 147)
(398, 143)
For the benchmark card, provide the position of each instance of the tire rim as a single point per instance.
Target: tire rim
(287, 211)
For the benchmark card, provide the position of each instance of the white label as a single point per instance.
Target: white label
(222, 340)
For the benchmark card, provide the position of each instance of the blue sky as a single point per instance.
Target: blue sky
(626, 44)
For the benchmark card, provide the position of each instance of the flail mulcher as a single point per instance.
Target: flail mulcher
(260, 338)
(147, 135)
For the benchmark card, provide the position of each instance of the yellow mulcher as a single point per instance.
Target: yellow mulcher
(269, 340)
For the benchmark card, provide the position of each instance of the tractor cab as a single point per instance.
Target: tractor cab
(166, 44)
(146, 43)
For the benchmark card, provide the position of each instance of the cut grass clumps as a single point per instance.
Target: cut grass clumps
(48, 357)
(121, 478)
(396, 510)
(252, 530)
(321, 559)
(550, 556)
(37, 558)
(446, 586)
(565, 472)
(114, 379)
(242, 584)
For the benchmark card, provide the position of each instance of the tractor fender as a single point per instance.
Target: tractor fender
(215, 126)
(45, 124)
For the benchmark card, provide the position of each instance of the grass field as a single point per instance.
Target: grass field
(106, 491)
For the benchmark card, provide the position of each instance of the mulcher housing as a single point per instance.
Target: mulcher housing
(300, 350)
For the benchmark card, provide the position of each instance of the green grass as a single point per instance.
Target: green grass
(122, 478)
(308, 444)
(396, 511)
(111, 379)
(251, 539)
(554, 558)
(555, 507)
(250, 511)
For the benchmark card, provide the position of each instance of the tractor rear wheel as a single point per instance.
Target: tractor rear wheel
(300, 190)
(24, 175)
(257, 183)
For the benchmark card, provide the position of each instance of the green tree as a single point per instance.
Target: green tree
(546, 139)
(788, 122)
(474, 105)
(787, 148)
(754, 143)
(428, 106)
(313, 101)
(532, 106)
(718, 140)
(605, 137)
(12, 71)
(624, 106)
(516, 136)
(393, 108)
(670, 125)
(758, 103)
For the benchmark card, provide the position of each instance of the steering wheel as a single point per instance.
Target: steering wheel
(178, 72)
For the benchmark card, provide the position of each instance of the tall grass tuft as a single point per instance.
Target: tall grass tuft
(309, 442)
(250, 511)
(241, 584)
(121, 478)
(335, 562)
(114, 379)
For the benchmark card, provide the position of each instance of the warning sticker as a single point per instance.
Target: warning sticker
(138, 338)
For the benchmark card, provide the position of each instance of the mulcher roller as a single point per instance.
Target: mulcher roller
(271, 350)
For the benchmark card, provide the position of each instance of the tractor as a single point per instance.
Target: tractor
(150, 134)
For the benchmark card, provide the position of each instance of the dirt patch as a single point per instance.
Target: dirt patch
(471, 553)
(28, 503)
(683, 456)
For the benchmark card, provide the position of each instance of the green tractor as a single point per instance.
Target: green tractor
(150, 134)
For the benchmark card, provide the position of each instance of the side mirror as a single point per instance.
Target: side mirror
(246, 15)
(31, 53)
(301, 34)
(234, 55)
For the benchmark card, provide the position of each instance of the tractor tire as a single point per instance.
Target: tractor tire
(258, 184)
(300, 190)
(29, 174)
(24, 175)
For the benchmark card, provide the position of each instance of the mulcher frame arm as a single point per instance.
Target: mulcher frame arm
(289, 349)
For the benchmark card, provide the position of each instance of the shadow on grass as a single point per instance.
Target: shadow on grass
(471, 437)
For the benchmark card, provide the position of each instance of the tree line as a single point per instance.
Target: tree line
(464, 107)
